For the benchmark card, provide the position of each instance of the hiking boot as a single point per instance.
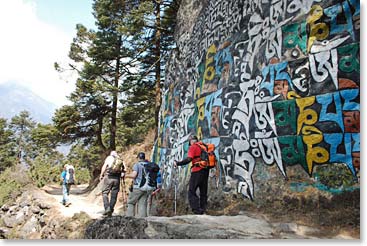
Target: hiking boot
(198, 211)
(108, 212)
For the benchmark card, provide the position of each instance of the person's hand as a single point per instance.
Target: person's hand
(175, 164)
(123, 199)
(122, 175)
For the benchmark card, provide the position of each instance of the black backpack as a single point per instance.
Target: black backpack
(149, 176)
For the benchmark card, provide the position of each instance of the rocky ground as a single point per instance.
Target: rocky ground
(38, 214)
(197, 227)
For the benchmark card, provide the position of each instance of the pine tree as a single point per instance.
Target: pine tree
(43, 138)
(7, 146)
(118, 91)
(104, 60)
(22, 125)
(158, 24)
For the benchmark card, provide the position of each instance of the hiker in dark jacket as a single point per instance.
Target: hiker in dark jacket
(137, 196)
(198, 179)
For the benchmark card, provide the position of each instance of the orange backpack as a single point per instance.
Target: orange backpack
(207, 157)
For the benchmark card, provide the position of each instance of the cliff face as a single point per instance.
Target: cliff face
(275, 85)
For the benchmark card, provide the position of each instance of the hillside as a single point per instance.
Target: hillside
(15, 98)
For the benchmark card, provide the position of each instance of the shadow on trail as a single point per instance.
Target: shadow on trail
(74, 190)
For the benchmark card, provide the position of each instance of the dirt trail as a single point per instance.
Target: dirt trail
(91, 203)
(81, 201)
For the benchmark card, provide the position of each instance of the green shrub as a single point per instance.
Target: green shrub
(12, 180)
(84, 159)
(45, 170)
(335, 176)
(82, 175)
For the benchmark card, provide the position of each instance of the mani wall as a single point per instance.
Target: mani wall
(269, 82)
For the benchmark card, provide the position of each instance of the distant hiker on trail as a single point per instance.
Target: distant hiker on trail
(67, 177)
(112, 171)
(199, 177)
(145, 182)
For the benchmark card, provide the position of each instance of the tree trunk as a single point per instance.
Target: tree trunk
(99, 134)
(157, 52)
(115, 99)
(114, 116)
(20, 144)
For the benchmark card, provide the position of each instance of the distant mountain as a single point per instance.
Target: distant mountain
(15, 98)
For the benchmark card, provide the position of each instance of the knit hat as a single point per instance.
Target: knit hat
(193, 137)
(141, 156)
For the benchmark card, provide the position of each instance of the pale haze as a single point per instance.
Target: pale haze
(35, 35)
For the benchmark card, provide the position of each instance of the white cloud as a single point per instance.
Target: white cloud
(29, 48)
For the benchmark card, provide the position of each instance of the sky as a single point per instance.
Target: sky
(34, 35)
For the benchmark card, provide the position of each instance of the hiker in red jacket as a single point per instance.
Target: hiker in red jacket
(198, 179)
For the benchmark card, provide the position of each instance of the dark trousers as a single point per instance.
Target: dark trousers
(110, 184)
(198, 180)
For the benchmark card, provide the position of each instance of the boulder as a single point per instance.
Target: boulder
(9, 221)
(13, 209)
(5, 208)
(35, 209)
(29, 227)
(43, 205)
(117, 227)
(48, 231)
(3, 233)
(180, 227)
(20, 218)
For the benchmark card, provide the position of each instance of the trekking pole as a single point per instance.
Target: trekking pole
(123, 193)
(175, 198)
(175, 184)
(152, 195)
(217, 176)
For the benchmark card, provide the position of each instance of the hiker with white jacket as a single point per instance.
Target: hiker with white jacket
(112, 171)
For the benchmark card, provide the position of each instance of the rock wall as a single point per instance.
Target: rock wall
(274, 84)
(24, 218)
(32, 216)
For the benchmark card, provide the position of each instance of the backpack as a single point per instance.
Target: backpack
(149, 176)
(207, 156)
(117, 166)
(70, 175)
